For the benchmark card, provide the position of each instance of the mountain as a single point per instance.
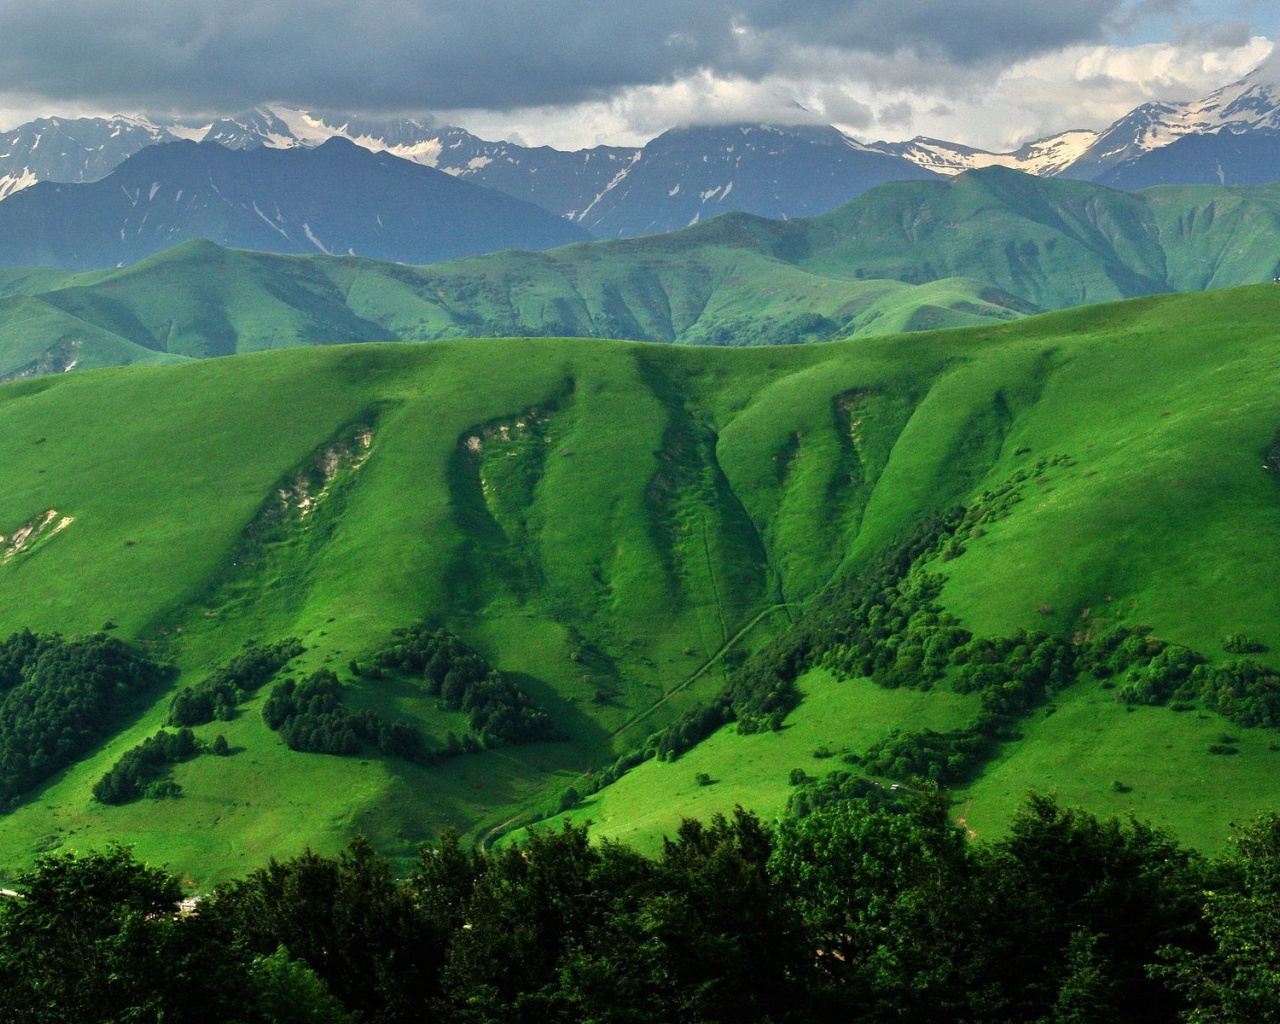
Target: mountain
(1049, 156)
(1225, 157)
(1247, 105)
(686, 175)
(336, 197)
(65, 149)
(199, 300)
(1251, 104)
(616, 528)
(984, 247)
(682, 176)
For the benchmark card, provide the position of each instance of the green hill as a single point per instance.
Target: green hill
(986, 247)
(614, 527)
(199, 300)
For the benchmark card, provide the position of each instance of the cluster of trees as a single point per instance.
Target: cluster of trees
(216, 697)
(498, 711)
(942, 757)
(1242, 690)
(58, 698)
(842, 787)
(857, 913)
(143, 771)
(310, 717)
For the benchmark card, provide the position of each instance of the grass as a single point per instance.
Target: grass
(668, 498)
(841, 716)
(1160, 758)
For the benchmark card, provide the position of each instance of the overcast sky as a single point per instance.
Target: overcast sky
(575, 73)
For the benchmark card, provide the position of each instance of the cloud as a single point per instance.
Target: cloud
(838, 107)
(388, 55)
(1077, 87)
(896, 115)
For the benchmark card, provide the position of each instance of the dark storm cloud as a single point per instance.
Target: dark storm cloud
(500, 54)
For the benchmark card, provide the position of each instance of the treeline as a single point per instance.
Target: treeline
(216, 697)
(498, 711)
(58, 698)
(857, 913)
(144, 770)
(311, 717)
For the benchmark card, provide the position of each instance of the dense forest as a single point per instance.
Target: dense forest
(865, 911)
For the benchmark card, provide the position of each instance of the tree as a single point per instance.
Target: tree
(1079, 905)
(97, 938)
(1239, 979)
(884, 896)
(287, 991)
(348, 919)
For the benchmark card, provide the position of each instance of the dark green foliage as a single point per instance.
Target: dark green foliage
(310, 717)
(497, 710)
(348, 920)
(842, 787)
(1236, 977)
(887, 897)
(97, 940)
(564, 930)
(286, 991)
(875, 910)
(940, 757)
(1013, 675)
(1243, 691)
(217, 696)
(139, 769)
(1166, 674)
(1240, 643)
(57, 698)
(1075, 907)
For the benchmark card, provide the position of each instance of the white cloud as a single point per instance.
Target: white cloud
(1078, 87)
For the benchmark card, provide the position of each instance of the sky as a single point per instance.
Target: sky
(578, 73)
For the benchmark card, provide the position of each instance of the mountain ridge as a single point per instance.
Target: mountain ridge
(324, 199)
(770, 170)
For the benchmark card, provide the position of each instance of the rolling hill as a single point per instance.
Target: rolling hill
(986, 246)
(615, 527)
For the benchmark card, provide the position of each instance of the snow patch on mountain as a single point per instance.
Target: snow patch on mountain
(1251, 103)
(11, 183)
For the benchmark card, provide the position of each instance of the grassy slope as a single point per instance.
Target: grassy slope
(1166, 519)
(662, 500)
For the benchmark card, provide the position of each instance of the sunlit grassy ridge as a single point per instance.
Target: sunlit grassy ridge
(604, 520)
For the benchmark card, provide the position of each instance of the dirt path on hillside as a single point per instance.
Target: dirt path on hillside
(493, 834)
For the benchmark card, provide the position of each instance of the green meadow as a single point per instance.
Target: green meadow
(615, 525)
